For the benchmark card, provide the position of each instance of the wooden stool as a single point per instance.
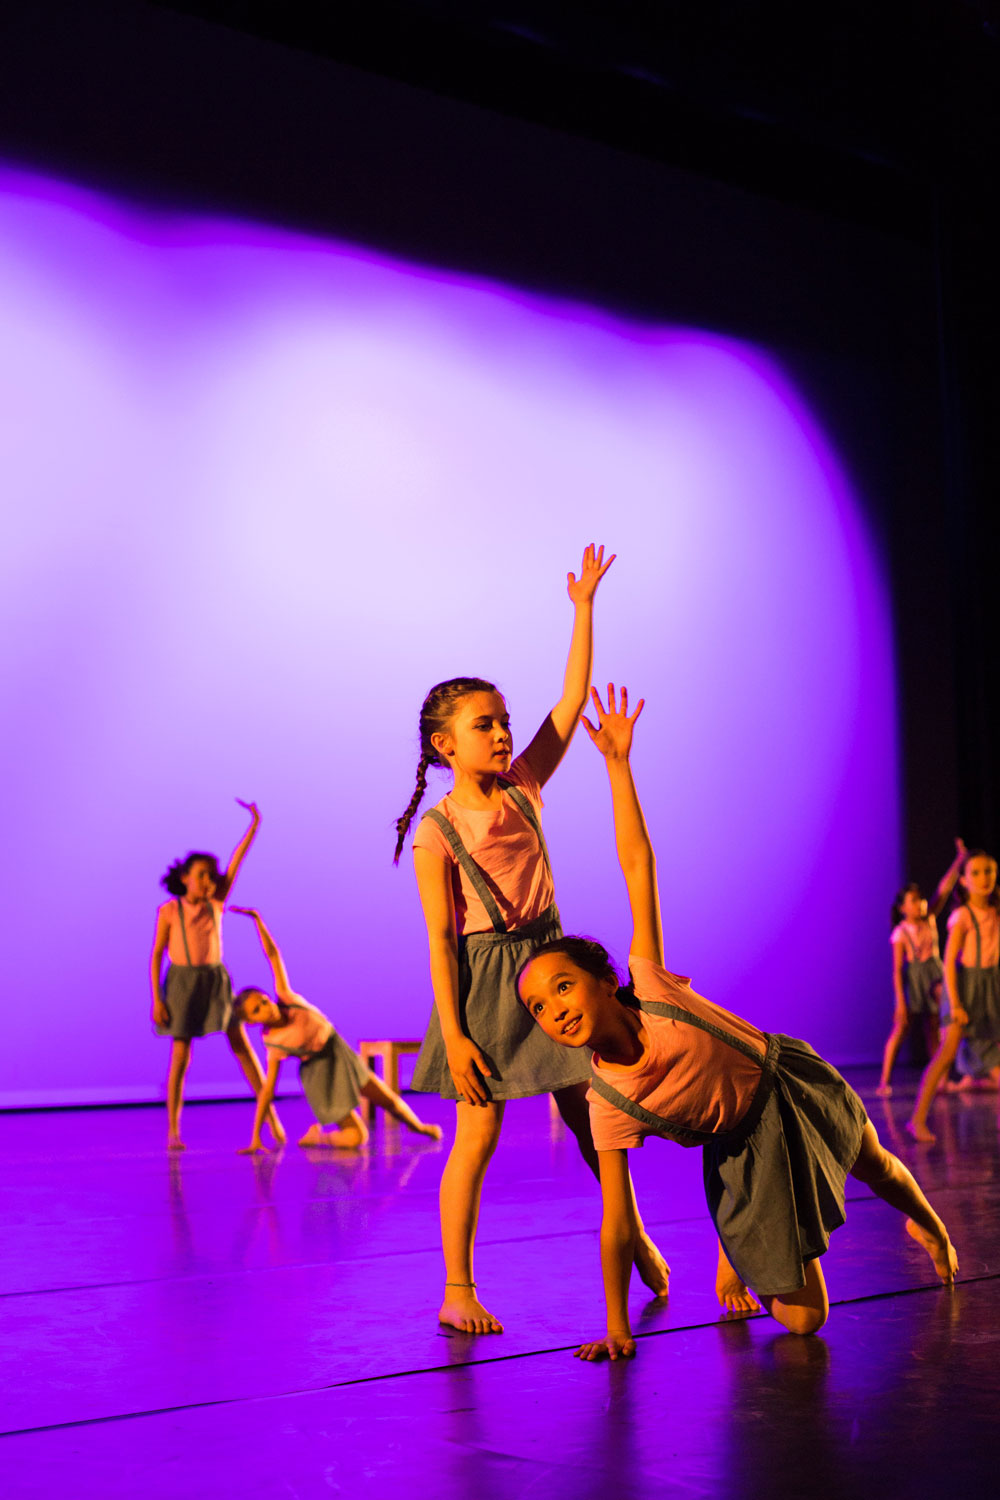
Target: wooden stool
(390, 1052)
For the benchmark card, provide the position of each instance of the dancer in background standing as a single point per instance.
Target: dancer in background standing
(916, 965)
(196, 998)
(487, 894)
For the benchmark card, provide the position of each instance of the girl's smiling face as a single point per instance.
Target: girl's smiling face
(478, 740)
(199, 882)
(570, 1005)
(979, 876)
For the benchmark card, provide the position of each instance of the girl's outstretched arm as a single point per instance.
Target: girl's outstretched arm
(619, 1237)
(271, 950)
(239, 854)
(552, 740)
(947, 882)
(161, 1016)
(613, 737)
(264, 1101)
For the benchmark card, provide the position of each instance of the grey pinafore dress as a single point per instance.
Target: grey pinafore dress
(198, 997)
(332, 1079)
(522, 1059)
(921, 981)
(979, 992)
(775, 1183)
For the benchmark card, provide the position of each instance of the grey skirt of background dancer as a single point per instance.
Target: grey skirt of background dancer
(775, 1183)
(523, 1061)
(923, 981)
(199, 1000)
(979, 1050)
(332, 1080)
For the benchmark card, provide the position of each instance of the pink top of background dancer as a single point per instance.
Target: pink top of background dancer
(203, 924)
(988, 918)
(689, 1077)
(919, 940)
(504, 845)
(306, 1032)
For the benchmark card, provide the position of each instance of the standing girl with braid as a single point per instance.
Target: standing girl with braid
(197, 997)
(916, 965)
(971, 982)
(486, 889)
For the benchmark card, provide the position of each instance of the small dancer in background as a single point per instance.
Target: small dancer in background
(972, 984)
(779, 1127)
(916, 965)
(332, 1074)
(487, 893)
(197, 997)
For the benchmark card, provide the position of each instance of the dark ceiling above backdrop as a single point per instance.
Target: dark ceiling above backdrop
(858, 108)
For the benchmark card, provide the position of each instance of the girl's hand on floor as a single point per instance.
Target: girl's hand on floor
(255, 1148)
(593, 568)
(613, 1346)
(464, 1058)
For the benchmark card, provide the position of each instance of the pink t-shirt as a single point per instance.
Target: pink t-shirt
(203, 925)
(988, 918)
(306, 1032)
(687, 1075)
(918, 940)
(506, 848)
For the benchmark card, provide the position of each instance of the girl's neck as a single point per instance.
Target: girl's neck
(476, 790)
(981, 903)
(622, 1042)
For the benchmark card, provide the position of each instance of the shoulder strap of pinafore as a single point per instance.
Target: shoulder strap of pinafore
(979, 937)
(683, 1133)
(476, 877)
(908, 944)
(524, 806)
(184, 932)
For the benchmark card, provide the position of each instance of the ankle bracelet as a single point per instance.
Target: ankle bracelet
(460, 1283)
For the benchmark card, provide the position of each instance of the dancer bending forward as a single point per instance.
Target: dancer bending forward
(332, 1074)
(779, 1126)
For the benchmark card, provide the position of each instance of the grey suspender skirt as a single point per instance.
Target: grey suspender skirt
(332, 1080)
(922, 982)
(775, 1183)
(522, 1059)
(198, 997)
(979, 992)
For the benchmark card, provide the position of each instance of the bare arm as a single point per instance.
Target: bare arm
(161, 938)
(264, 1101)
(947, 882)
(271, 950)
(438, 902)
(613, 738)
(898, 958)
(619, 1237)
(956, 938)
(552, 740)
(239, 854)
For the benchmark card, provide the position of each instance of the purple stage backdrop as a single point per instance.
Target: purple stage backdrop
(262, 490)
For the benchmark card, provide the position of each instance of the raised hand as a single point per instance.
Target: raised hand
(960, 850)
(593, 568)
(611, 1347)
(251, 808)
(246, 911)
(612, 734)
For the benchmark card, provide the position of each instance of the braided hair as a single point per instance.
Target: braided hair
(436, 713)
(172, 881)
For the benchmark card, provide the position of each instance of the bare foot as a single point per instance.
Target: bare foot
(174, 1143)
(735, 1297)
(352, 1134)
(964, 1085)
(939, 1248)
(652, 1267)
(884, 1090)
(433, 1132)
(919, 1132)
(462, 1309)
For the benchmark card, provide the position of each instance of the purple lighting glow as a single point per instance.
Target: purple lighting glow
(263, 490)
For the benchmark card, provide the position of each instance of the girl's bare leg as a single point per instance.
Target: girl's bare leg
(889, 1180)
(386, 1098)
(477, 1130)
(253, 1073)
(349, 1133)
(805, 1311)
(935, 1072)
(650, 1264)
(896, 1036)
(180, 1057)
